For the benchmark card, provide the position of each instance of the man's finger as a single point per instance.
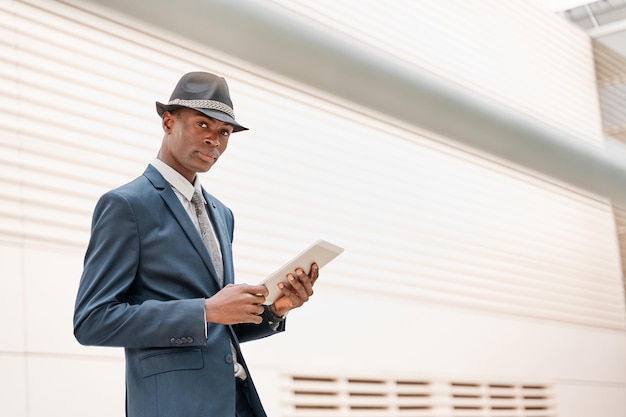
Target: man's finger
(256, 289)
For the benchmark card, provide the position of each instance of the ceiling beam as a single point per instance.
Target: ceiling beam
(273, 38)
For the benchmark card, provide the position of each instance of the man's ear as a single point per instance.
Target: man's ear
(167, 121)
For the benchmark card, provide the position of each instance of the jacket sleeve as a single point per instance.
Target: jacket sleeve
(246, 332)
(104, 315)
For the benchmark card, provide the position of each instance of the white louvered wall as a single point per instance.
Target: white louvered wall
(421, 220)
(442, 224)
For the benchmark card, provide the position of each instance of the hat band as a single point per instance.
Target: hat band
(204, 104)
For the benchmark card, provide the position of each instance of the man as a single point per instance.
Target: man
(158, 275)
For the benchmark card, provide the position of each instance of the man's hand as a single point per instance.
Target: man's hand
(236, 304)
(296, 292)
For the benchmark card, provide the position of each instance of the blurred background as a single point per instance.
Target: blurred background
(467, 154)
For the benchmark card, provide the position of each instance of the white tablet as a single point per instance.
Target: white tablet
(320, 252)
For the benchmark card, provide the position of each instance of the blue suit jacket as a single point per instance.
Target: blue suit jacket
(146, 275)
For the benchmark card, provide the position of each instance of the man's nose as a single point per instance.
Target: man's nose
(212, 139)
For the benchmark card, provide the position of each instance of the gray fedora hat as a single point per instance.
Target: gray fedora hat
(206, 93)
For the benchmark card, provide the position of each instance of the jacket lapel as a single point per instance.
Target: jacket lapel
(181, 216)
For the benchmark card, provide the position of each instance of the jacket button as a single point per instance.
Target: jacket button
(229, 358)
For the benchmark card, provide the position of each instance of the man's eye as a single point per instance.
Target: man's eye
(225, 133)
(203, 125)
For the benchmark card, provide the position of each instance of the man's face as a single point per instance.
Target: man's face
(193, 142)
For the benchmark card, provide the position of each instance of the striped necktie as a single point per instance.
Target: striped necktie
(208, 237)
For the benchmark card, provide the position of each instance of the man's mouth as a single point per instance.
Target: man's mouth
(207, 157)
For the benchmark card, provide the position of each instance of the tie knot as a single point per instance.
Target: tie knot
(196, 199)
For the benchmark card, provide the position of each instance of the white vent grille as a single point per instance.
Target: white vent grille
(500, 399)
(326, 396)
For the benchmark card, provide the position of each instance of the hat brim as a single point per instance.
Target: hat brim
(214, 114)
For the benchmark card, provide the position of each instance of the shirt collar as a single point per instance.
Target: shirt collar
(177, 181)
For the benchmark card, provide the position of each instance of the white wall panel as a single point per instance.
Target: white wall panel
(388, 334)
(584, 400)
(51, 285)
(13, 387)
(12, 300)
(75, 386)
